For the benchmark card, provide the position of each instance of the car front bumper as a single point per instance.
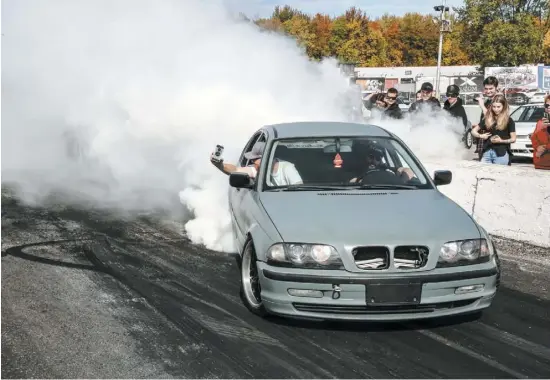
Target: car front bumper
(437, 293)
(522, 147)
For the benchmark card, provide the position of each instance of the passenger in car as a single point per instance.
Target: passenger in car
(282, 173)
(541, 139)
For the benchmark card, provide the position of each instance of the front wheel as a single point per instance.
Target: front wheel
(250, 291)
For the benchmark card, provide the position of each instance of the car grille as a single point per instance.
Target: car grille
(378, 257)
(364, 309)
(410, 256)
(372, 258)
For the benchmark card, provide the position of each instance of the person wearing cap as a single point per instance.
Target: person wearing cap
(428, 101)
(283, 172)
(453, 105)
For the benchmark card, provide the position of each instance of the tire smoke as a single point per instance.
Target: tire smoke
(119, 104)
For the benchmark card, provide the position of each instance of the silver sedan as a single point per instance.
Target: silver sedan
(342, 221)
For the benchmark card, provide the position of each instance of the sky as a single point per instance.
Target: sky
(373, 8)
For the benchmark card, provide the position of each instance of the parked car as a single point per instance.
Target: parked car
(537, 97)
(363, 233)
(525, 117)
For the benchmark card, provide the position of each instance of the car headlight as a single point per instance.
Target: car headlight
(465, 252)
(304, 256)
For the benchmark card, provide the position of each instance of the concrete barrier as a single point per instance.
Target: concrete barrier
(508, 201)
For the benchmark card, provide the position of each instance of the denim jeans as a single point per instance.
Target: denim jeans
(490, 157)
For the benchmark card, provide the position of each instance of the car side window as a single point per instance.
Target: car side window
(257, 137)
(517, 115)
(536, 115)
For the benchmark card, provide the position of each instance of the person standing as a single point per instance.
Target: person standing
(386, 103)
(453, 105)
(490, 86)
(541, 140)
(497, 130)
(427, 101)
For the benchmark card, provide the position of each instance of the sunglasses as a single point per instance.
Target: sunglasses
(546, 105)
(391, 97)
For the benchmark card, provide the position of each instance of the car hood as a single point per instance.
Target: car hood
(356, 217)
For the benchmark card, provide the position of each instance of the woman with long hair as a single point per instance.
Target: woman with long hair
(497, 131)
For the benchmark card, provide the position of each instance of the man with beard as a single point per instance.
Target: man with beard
(453, 104)
(427, 101)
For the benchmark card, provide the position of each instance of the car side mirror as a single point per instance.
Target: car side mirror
(443, 177)
(240, 180)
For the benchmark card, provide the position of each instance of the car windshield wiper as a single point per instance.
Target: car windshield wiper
(309, 187)
(384, 186)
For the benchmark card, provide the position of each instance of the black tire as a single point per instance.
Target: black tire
(250, 283)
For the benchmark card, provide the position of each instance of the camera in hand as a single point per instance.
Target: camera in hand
(218, 154)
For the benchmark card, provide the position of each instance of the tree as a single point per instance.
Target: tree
(420, 39)
(485, 33)
(321, 26)
(504, 32)
(454, 52)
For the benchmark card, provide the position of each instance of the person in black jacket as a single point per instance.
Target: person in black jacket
(453, 105)
(428, 101)
(386, 103)
(393, 109)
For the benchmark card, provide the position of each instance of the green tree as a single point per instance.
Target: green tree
(504, 32)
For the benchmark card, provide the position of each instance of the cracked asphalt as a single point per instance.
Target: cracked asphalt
(89, 294)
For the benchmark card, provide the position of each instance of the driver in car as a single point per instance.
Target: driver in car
(283, 173)
(378, 173)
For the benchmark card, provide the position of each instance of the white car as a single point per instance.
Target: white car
(537, 97)
(526, 118)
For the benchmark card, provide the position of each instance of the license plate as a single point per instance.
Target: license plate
(393, 294)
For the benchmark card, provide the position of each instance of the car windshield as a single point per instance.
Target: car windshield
(342, 162)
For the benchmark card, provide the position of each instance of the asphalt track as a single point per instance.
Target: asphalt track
(86, 294)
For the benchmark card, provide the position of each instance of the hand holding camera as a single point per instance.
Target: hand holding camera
(216, 158)
(546, 118)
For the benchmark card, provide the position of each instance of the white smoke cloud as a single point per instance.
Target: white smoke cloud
(147, 88)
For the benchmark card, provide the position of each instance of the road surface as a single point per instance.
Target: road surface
(87, 294)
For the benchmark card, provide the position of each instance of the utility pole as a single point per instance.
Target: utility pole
(444, 27)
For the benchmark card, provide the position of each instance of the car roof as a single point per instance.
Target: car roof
(326, 128)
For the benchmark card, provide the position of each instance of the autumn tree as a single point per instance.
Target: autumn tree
(390, 26)
(420, 39)
(484, 32)
(454, 51)
(321, 27)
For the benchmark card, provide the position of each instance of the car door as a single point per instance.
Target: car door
(249, 201)
(237, 196)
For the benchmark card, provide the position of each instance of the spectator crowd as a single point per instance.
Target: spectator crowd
(492, 135)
